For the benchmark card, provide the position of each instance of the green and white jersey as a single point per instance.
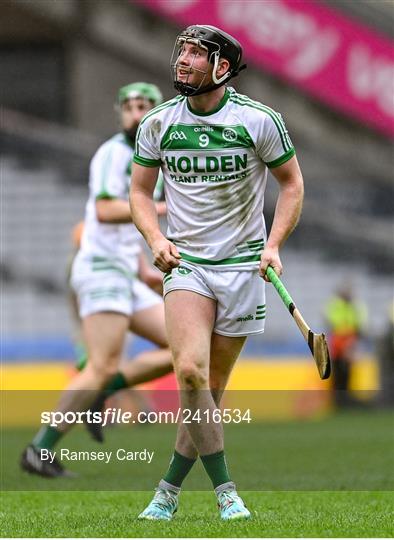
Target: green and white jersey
(215, 173)
(110, 245)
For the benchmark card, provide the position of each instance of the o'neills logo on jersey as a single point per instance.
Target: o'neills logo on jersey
(247, 318)
(199, 129)
(207, 164)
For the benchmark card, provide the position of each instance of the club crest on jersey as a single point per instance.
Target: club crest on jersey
(229, 134)
(183, 271)
(178, 136)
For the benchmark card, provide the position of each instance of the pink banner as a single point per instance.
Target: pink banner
(332, 57)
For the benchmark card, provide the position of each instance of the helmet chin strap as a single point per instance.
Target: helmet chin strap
(189, 90)
(221, 80)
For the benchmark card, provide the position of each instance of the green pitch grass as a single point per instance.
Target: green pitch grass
(299, 479)
(275, 514)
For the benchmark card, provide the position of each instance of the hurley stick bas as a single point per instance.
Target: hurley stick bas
(317, 342)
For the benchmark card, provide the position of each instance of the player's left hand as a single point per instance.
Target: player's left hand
(270, 257)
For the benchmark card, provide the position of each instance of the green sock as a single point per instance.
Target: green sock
(216, 467)
(82, 356)
(47, 437)
(117, 383)
(178, 470)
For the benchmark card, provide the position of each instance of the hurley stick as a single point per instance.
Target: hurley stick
(317, 342)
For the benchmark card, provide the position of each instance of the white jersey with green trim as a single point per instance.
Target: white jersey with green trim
(215, 173)
(110, 245)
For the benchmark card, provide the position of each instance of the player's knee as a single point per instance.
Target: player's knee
(191, 376)
(103, 373)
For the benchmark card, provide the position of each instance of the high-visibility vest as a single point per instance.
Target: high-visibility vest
(344, 317)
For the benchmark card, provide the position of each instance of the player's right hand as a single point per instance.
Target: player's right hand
(165, 255)
(270, 257)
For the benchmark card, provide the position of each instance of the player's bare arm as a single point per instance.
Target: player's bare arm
(144, 215)
(118, 210)
(113, 211)
(287, 213)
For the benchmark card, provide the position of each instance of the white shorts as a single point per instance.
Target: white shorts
(240, 296)
(109, 290)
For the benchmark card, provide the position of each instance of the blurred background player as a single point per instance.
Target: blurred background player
(129, 398)
(346, 319)
(113, 282)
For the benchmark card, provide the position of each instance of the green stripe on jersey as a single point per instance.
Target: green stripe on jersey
(145, 162)
(165, 105)
(276, 117)
(104, 296)
(103, 267)
(219, 106)
(252, 242)
(282, 159)
(257, 248)
(230, 260)
(205, 137)
(105, 195)
(251, 245)
(112, 292)
(260, 314)
(167, 278)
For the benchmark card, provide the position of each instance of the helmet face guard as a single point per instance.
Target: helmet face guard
(217, 44)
